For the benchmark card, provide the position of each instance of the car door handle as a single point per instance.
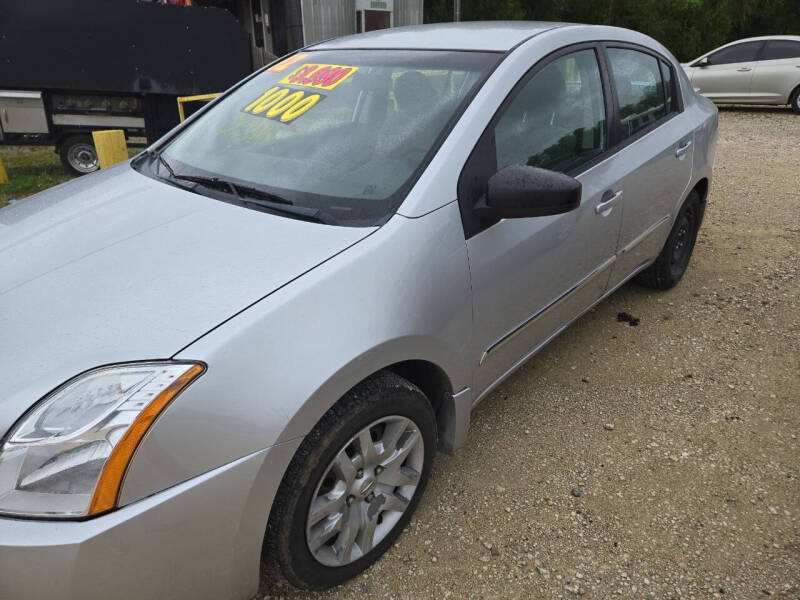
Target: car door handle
(743, 69)
(683, 148)
(607, 203)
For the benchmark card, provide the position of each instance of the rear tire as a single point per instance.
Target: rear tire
(794, 100)
(78, 154)
(669, 267)
(371, 498)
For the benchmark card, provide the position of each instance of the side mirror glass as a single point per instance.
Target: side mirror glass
(521, 191)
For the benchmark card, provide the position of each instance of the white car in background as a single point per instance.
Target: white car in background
(761, 70)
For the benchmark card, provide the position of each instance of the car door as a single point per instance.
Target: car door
(777, 72)
(532, 276)
(728, 74)
(657, 147)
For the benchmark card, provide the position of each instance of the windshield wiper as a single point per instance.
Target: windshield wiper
(207, 181)
(278, 204)
(252, 195)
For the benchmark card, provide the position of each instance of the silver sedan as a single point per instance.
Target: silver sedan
(249, 341)
(762, 70)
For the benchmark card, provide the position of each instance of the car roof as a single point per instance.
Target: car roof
(795, 38)
(497, 36)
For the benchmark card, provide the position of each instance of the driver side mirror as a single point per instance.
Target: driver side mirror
(703, 62)
(521, 191)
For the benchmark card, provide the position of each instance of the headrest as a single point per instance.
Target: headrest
(414, 92)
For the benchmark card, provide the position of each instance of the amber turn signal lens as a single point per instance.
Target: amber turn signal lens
(106, 493)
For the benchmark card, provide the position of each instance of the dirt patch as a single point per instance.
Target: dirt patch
(681, 436)
(624, 317)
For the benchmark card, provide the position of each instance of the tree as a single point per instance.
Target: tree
(688, 28)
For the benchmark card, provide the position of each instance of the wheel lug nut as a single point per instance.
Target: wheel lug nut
(350, 500)
(378, 470)
(359, 473)
(370, 498)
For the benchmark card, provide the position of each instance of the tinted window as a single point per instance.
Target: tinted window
(640, 90)
(669, 87)
(557, 120)
(781, 49)
(736, 53)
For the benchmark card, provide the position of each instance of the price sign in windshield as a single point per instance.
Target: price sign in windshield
(282, 104)
(319, 76)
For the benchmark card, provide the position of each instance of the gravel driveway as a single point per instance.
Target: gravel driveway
(653, 461)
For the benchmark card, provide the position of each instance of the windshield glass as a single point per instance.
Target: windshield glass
(346, 132)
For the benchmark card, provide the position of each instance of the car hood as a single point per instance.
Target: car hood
(117, 266)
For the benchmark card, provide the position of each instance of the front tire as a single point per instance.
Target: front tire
(353, 484)
(78, 154)
(669, 267)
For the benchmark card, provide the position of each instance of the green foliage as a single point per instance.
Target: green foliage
(688, 28)
(30, 169)
(33, 169)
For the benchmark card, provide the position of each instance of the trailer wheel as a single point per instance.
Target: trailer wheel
(78, 154)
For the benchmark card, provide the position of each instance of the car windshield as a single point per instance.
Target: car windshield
(346, 132)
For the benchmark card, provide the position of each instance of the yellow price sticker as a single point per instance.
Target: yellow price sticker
(319, 76)
(283, 104)
(287, 62)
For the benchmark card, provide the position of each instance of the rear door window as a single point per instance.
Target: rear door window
(670, 90)
(780, 49)
(640, 89)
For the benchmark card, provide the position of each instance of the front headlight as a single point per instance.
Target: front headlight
(68, 456)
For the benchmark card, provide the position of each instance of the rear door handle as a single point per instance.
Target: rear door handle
(607, 202)
(744, 69)
(683, 148)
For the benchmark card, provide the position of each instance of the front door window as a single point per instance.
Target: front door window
(557, 120)
(737, 53)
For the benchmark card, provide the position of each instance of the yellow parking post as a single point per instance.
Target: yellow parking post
(201, 98)
(110, 146)
(3, 174)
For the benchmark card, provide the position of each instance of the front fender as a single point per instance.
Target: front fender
(402, 293)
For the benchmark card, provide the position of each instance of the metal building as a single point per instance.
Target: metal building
(277, 27)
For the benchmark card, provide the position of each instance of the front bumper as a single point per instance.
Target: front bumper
(200, 539)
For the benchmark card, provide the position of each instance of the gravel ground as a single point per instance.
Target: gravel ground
(655, 461)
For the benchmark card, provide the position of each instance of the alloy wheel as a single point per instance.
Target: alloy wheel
(365, 490)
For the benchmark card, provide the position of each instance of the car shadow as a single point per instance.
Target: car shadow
(754, 108)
